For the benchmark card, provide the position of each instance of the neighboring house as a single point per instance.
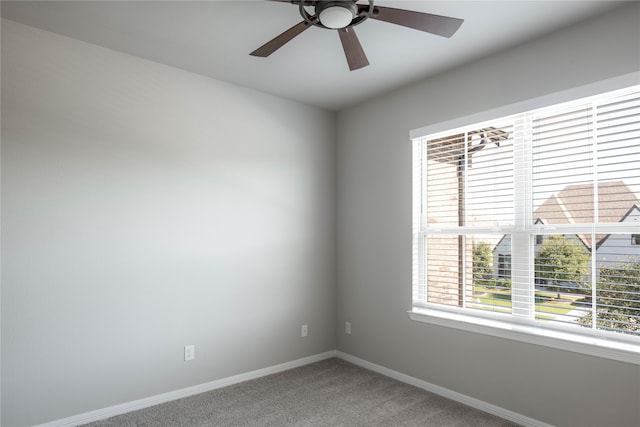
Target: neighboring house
(615, 248)
(574, 205)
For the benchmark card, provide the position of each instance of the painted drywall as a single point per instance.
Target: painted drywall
(145, 208)
(374, 232)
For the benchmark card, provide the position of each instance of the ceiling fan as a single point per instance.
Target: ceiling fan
(343, 15)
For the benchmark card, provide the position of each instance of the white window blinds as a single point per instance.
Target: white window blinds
(532, 217)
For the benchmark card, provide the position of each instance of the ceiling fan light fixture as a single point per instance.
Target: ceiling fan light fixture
(342, 15)
(337, 15)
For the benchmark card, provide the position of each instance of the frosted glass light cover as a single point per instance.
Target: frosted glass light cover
(336, 17)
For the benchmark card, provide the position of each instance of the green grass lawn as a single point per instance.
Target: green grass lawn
(546, 306)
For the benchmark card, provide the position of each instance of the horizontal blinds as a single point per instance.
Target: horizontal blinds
(585, 171)
(563, 175)
(618, 154)
(562, 269)
(445, 158)
(576, 262)
(467, 181)
(617, 293)
(489, 177)
(617, 281)
(563, 167)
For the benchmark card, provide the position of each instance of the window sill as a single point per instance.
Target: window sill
(593, 346)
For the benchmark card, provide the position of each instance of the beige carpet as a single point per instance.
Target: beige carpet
(327, 393)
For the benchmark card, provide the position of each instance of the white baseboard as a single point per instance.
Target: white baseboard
(135, 405)
(450, 394)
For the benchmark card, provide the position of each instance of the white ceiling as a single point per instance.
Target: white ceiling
(214, 38)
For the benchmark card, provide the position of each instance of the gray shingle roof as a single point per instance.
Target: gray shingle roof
(574, 205)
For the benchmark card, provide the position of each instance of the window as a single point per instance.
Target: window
(504, 266)
(522, 219)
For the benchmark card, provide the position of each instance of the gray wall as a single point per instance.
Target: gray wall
(374, 233)
(145, 208)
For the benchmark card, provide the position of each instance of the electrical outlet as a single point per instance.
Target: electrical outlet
(304, 331)
(189, 352)
(347, 328)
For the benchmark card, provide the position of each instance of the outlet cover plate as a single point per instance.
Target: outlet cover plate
(189, 352)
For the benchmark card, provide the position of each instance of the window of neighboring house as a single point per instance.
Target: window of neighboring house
(521, 219)
(504, 266)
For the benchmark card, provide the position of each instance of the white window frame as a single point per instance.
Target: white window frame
(519, 325)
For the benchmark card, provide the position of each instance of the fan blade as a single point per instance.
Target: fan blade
(435, 24)
(352, 49)
(271, 46)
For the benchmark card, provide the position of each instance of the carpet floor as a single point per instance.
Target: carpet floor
(331, 392)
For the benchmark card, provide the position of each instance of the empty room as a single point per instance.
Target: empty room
(320, 213)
